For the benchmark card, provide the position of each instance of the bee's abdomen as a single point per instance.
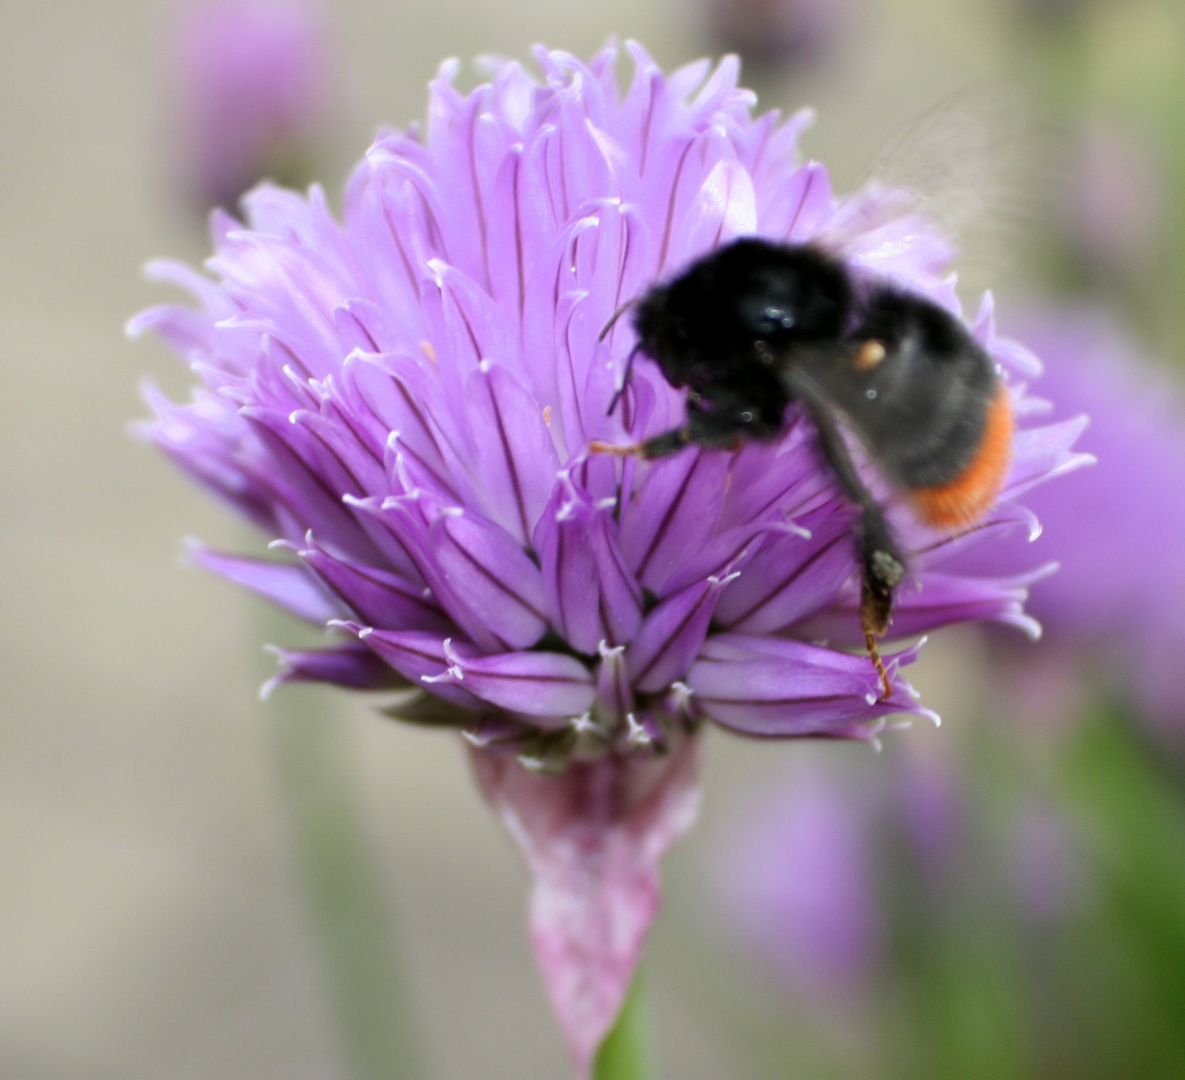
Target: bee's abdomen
(966, 497)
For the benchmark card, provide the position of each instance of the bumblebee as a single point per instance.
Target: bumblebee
(756, 325)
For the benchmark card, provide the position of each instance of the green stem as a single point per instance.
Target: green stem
(627, 1052)
(344, 893)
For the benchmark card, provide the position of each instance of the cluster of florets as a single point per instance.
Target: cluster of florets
(404, 401)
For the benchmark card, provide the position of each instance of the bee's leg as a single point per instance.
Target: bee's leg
(715, 428)
(669, 442)
(882, 566)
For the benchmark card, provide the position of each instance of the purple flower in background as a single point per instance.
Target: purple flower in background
(798, 879)
(1116, 199)
(254, 87)
(403, 402)
(1115, 529)
(826, 870)
(779, 32)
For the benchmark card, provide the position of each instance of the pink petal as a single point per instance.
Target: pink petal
(592, 837)
(551, 687)
(287, 584)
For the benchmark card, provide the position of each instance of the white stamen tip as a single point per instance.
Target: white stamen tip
(638, 736)
(584, 722)
(606, 650)
(682, 694)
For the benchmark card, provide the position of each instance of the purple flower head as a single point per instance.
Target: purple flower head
(1115, 529)
(254, 87)
(404, 401)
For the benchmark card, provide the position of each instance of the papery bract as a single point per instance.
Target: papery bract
(592, 838)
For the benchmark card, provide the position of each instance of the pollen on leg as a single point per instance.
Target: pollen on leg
(870, 354)
(598, 447)
(875, 656)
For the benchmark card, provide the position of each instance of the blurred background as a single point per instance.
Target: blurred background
(195, 884)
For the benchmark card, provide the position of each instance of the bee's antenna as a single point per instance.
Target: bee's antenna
(621, 310)
(625, 381)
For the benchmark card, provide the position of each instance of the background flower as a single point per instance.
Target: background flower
(1113, 529)
(797, 877)
(403, 402)
(779, 32)
(888, 896)
(254, 81)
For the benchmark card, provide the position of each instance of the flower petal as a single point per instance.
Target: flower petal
(780, 687)
(549, 686)
(674, 514)
(488, 569)
(941, 599)
(672, 634)
(353, 666)
(513, 452)
(789, 578)
(592, 597)
(421, 658)
(379, 597)
(286, 584)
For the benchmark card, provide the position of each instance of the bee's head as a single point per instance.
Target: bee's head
(675, 326)
(738, 305)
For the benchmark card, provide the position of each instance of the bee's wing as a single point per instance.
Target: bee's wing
(980, 167)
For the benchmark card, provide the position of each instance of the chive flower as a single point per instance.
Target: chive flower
(403, 400)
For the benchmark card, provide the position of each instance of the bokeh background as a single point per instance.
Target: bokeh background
(183, 868)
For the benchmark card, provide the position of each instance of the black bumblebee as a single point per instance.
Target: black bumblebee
(757, 325)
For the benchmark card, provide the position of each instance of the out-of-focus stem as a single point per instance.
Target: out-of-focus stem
(350, 910)
(627, 1052)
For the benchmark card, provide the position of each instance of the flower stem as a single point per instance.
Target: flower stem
(349, 906)
(627, 1052)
